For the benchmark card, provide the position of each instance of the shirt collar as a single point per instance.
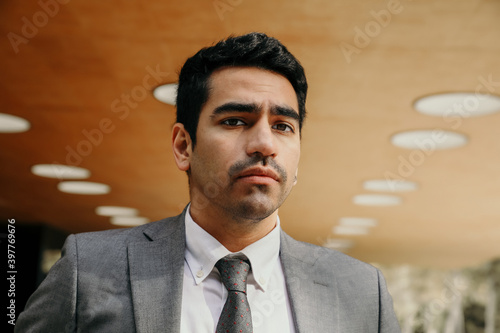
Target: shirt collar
(203, 251)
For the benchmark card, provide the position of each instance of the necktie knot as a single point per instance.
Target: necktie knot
(233, 273)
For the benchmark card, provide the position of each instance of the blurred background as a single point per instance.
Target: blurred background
(400, 150)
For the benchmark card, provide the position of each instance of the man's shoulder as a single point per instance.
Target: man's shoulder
(327, 258)
(145, 232)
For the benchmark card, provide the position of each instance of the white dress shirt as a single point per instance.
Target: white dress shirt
(204, 295)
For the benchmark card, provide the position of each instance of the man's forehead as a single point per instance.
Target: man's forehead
(251, 85)
(244, 71)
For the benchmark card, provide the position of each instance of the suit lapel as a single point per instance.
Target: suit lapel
(156, 274)
(311, 288)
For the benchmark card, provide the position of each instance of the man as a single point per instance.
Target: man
(240, 110)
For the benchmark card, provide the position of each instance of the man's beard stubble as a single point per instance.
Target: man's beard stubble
(251, 210)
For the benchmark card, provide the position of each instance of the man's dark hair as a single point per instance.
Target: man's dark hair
(251, 50)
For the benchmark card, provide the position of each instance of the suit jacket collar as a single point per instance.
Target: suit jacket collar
(156, 266)
(312, 288)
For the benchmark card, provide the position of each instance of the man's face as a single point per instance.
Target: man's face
(248, 143)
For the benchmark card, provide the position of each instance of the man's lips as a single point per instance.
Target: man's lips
(258, 175)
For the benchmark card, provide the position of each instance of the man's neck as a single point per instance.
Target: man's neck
(235, 235)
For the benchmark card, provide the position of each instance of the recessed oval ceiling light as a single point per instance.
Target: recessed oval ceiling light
(60, 171)
(128, 221)
(357, 221)
(89, 188)
(382, 185)
(166, 93)
(377, 200)
(339, 244)
(458, 104)
(350, 230)
(116, 211)
(13, 124)
(429, 140)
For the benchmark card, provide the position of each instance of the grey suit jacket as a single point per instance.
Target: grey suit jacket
(130, 280)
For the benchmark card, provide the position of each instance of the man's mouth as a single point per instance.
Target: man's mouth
(258, 175)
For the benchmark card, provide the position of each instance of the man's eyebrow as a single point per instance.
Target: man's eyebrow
(285, 111)
(236, 107)
(276, 110)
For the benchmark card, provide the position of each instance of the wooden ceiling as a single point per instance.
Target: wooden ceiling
(74, 67)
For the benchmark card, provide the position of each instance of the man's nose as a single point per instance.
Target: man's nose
(261, 140)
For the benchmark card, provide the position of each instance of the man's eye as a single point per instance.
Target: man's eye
(283, 127)
(233, 122)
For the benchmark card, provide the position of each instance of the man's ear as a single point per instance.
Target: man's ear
(181, 146)
(295, 179)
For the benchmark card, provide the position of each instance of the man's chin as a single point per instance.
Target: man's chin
(253, 210)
